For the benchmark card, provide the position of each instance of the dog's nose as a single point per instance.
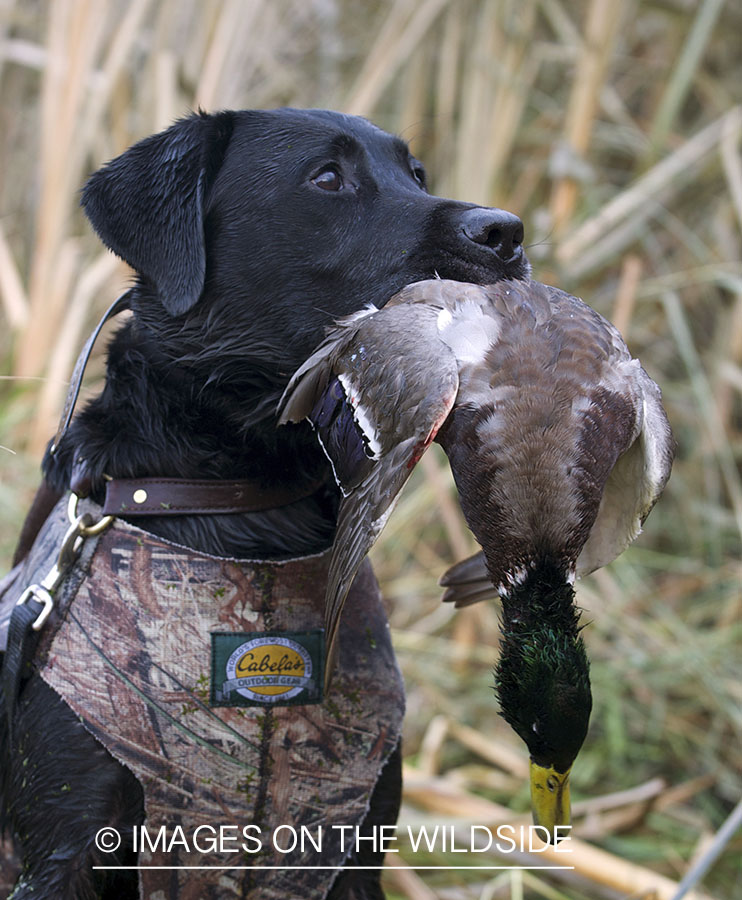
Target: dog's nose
(494, 228)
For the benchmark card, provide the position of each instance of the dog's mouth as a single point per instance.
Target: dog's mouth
(485, 270)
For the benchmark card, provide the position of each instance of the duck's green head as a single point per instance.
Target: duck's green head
(542, 681)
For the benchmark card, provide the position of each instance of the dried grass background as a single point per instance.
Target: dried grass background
(614, 129)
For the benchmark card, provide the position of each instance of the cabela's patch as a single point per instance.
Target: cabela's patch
(270, 668)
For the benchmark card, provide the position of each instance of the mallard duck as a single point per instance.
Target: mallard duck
(559, 447)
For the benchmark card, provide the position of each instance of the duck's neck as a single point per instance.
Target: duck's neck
(543, 595)
(542, 677)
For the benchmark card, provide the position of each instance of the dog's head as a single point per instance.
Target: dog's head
(252, 231)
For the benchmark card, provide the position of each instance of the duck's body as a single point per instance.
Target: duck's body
(537, 430)
(559, 447)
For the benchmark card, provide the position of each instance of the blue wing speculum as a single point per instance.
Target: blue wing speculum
(343, 440)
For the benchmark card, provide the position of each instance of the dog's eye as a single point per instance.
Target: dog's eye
(418, 173)
(328, 179)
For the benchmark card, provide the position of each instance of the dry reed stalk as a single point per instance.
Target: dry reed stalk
(166, 90)
(634, 230)
(405, 880)
(414, 93)
(625, 820)
(476, 777)
(701, 848)
(217, 38)
(445, 98)
(495, 752)
(468, 627)
(642, 793)
(457, 533)
(485, 38)
(54, 381)
(189, 43)
(723, 275)
(403, 30)
(600, 32)
(74, 34)
(516, 70)
(519, 196)
(439, 796)
(431, 745)
(663, 179)
(235, 30)
(706, 402)
(183, 50)
(731, 354)
(121, 128)
(710, 854)
(686, 65)
(619, 812)
(15, 301)
(567, 33)
(681, 793)
(732, 163)
(628, 285)
(108, 75)
(561, 24)
(70, 84)
(7, 9)
(598, 866)
(69, 340)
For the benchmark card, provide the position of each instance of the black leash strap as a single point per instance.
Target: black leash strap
(37, 602)
(118, 306)
(17, 665)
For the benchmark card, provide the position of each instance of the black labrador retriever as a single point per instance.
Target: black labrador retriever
(250, 232)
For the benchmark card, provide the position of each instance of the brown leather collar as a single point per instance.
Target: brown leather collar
(182, 496)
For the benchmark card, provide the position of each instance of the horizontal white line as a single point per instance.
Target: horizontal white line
(325, 868)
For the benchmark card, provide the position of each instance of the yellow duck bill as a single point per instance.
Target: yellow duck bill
(550, 800)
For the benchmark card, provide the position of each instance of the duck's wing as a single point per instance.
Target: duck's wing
(362, 515)
(376, 393)
(310, 381)
(636, 481)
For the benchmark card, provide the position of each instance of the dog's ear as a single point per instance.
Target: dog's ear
(147, 205)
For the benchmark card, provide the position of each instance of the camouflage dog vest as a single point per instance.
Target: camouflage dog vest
(204, 676)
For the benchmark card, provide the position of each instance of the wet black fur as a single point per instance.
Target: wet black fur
(242, 259)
